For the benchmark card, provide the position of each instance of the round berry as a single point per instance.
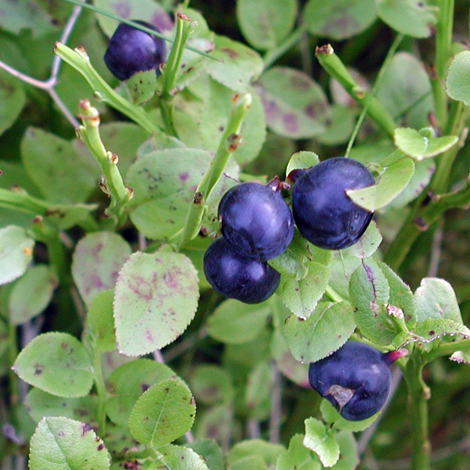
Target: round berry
(256, 220)
(236, 276)
(131, 50)
(323, 212)
(355, 379)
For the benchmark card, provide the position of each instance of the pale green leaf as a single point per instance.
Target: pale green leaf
(411, 17)
(458, 78)
(100, 321)
(297, 456)
(268, 451)
(16, 252)
(349, 457)
(140, 88)
(339, 19)
(12, 99)
(171, 457)
(390, 184)
(367, 245)
(32, 293)
(419, 146)
(163, 413)
(460, 357)
(318, 439)
(325, 331)
(211, 384)
(302, 160)
(258, 391)
(210, 451)
(334, 419)
(56, 363)
(64, 444)
(434, 328)
(266, 23)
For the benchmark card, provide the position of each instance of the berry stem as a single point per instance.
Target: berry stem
(228, 144)
(333, 65)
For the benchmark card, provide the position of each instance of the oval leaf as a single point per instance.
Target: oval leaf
(173, 457)
(56, 363)
(12, 98)
(155, 299)
(64, 444)
(163, 413)
(458, 78)
(321, 442)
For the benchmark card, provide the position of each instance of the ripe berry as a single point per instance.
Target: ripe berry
(131, 50)
(236, 276)
(355, 379)
(256, 220)
(323, 212)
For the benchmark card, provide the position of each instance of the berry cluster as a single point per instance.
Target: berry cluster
(257, 225)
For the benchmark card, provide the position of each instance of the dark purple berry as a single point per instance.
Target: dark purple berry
(131, 50)
(236, 276)
(256, 220)
(355, 379)
(323, 212)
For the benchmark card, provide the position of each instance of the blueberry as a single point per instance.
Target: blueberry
(355, 379)
(131, 50)
(256, 220)
(323, 212)
(236, 276)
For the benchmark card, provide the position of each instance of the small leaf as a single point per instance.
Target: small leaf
(460, 356)
(234, 322)
(210, 451)
(56, 363)
(338, 19)
(97, 259)
(258, 391)
(349, 455)
(419, 146)
(294, 104)
(333, 418)
(100, 321)
(367, 245)
(163, 413)
(266, 23)
(458, 81)
(318, 439)
(171, 457)
(268, 451)
(390, 184)
(155, 299)
(12, 98)
(32, 293)
(325, 331)
(140, 88)
(301, 296)
(16, 252)
(411, 17)
(297, 456)
(435, 298)
(64, 444)
(302, 160)
(128, 382)
(212, 384)
(433, 328)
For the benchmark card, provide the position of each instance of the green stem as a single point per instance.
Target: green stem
(170, 69)
(112, 182)
(418, 394)
(228, 144)
(100, 391)
(333, 65)
(12, 355)
(274, 54)
(80, 61)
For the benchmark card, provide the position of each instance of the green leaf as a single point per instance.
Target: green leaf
(340, 126)
(234, 322)
(209, 450)
(149, 10)
(435, 298)
(140, 88)
(12, 98)
(460, 357)
(97, 259)
(250, 462)
(269, 452)
(297, 456)
(127, 383)
(338, 19)
(301, 296)
(302, 160)
(411, 17)
(100, 321)
(294, 104)
(367, 245)
(369, 293)
(266, 23)
(25, 14)
(432, 328)
(405, 90)
(390, 184)
(216, 422)
(163, 413)
(238, 65)
(325, 331)
(42, 404)
(32, 293)
(171, 457)
(52, 164)
(16, 252)
(458, 82)
(211, 384)
(258, 391)
(318, 439)
(155, 299)
(56, 363)
(349, 458)
(419, 146)
(65, 444)
(334, 419)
